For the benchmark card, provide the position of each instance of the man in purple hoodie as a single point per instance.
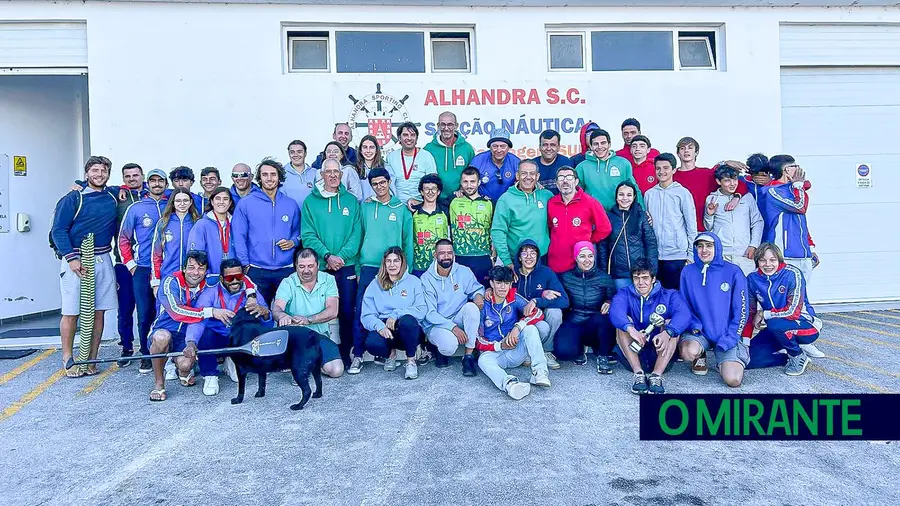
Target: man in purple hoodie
(716, 293)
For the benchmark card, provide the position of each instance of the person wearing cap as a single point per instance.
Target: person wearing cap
(602, 171)
(135, 246)
(497, 166)
(586, 321)
(739, 230)
(521, 213)
(642, 164)
(183, 177)
(451, 152)
(572, 216)
(431, 222)
(716, 294)
(409, 164)
(671, 208)
(386, 222)
(537, 282)
(242, 182)
(631, 128)
(550, 160)
(470, 225)
(585, 140)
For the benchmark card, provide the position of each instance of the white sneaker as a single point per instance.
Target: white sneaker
(230, 369)
(355, 366)
(517, 389)
(540, 378)
(412, 371)
(171, 371)
(812, 351)
(390, 364)
(211, 385)
(552, 363)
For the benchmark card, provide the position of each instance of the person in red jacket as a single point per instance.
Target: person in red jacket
(572, 216)
(642, 164)
(631, 128)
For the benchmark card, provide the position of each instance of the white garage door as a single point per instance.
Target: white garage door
(834, 119)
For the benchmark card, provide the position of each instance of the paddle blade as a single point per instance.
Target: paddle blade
(268, 344)
(70, 363)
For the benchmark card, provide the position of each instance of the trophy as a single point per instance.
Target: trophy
(656, 320)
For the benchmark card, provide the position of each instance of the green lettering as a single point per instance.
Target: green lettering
(662, 417)
(753, 418)
(847, 417)
(812, 424)
(778, 418)
(829, 404)
(737, 418)
(704, 418)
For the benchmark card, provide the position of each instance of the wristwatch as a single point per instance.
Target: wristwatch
(327, 256)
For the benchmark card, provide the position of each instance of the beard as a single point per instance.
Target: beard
(446, 263)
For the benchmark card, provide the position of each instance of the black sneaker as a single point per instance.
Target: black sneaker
(603, 366)
(640, 383)
(468, 362)
(654, 382)
(146, 366)
(125, 363)
(441, 361)
(581, 360)
(613, 359)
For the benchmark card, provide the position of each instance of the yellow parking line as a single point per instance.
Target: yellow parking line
(11, 375)
(868, 320)
(863, 365)
(851, 380)
(866, 339)
(881, 313)
(32, 395)
(96, 382)
(833, 343)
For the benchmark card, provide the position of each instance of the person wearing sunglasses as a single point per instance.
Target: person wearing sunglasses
(228, 295)
(242, 179)
(572, 216)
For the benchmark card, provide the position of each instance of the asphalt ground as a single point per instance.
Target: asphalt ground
(442, 439)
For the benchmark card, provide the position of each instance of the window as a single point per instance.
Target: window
(566, 51)
(632, 48)
(382, 50)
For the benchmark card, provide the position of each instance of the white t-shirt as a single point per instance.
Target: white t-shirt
(416, 166)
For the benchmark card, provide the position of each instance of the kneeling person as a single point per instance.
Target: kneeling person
(716, 293)
(538, 283)
(454, 298)
(630, 313)
(510, 336)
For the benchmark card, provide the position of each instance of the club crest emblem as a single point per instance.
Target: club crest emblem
(169, 236)
(345, 212)
(540, 205)
(782, 289)
(460, 161)
(660, 309)
(403, 293)
(614, 172)
(725, 286)
(285, 218)
(489, 323)
(456, 287)
(651, 179)
(539, 287)
(555, 221)
(485, 180)
(146, 221)
(309, 185)
(576, 221)
(481, 207)
(508, 175)
(392, 217)
(439, 220)
(376, 114)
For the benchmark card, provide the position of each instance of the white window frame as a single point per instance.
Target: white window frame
(584, 51)
(709, 51)
(332, 30)
(464, 40)
(328, 54)
(585, 31)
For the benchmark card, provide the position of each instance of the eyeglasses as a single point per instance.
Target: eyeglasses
(429, 190)
(231, 278)
(239, 175)
(529, 253)
(568, 178)
(380, 183)
(446, 125)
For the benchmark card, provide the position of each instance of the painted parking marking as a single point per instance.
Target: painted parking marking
(11, 375)
(881, 314)
(864, 365)
(869, 320)
(14, 408)
(866, 339)
(834, 343)
(98, 380)
(851, 380)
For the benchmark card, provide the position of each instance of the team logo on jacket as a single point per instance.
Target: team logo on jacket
(488, 323)
(146, 221)
(615, 172)
(392, 217)
(377, 114)
(439, 220)
(576, 222)
(345, 212)
(651, 179)
(782, 289)
(759, 297)
(403, 293)
(169, 236)
(540, 205)
(460, 161)
(555, 222)
(481, 207)
(508, 175)
(285, 218)
(661, 309)
(485, 180)
(309, 185)
(455, 287)
(725, 286)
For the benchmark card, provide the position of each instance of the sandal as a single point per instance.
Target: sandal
(74, 372)
(158, 395)
(92, 371)
(189, 380)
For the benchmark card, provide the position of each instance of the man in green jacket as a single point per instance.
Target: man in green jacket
(330, 226)
(451, 153)
(601, 171)
(521, 214)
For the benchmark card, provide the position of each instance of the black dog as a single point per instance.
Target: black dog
(303, 356)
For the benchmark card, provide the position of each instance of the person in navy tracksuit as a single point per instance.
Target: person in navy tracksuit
(630, 313)
(268, 249)
(170, 238)
(716, 293)
(788, 321)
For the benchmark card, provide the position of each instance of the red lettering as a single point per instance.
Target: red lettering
(488, 97)
(518, 96)
(533, 97)
(503, 97)
(458, 97)
(430, 99)
(442, 98)
(473, 98)
(552, 96)
(572, 96)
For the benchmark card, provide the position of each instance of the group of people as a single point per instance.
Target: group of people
(641, 257)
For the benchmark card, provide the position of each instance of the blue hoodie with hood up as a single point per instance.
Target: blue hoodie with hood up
(716, 294)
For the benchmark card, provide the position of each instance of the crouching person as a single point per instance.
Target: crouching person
(454, 298)
(309, 299)
(538, 283)
(392, 306)
(788, 321)
(230, 294)
(510, 336)
(716, 293)
(656, 337)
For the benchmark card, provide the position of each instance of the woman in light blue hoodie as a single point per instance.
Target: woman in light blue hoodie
(392, 307)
